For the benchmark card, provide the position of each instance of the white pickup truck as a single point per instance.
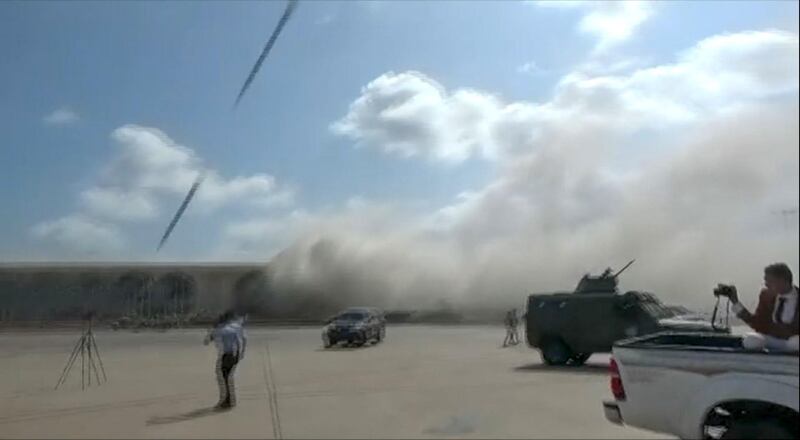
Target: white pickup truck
(703, 386)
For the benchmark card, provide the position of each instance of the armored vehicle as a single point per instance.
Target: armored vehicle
(567, 327)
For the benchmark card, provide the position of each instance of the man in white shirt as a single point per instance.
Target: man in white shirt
(231, 342)
(776, 317)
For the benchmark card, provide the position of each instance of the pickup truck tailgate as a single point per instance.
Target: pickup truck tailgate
(668, 377)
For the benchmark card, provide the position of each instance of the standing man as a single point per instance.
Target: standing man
(775, 320)
(231, 342)
(514, 327)
(511, 328)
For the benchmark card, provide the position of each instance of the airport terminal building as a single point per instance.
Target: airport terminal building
(67, 291)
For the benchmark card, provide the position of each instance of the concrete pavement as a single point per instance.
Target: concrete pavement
(422, 382)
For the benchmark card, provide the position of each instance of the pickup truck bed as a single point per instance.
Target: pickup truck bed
(697, 385)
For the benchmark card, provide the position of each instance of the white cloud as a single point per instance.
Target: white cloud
(147, 159)
(61, 116)
(611, 22)
(764, 62)
(119, 204)
(717, 75)
(83, 235)
(530, 68)
(411, 115)
(150, 166)
(147, 176)
(254, 189)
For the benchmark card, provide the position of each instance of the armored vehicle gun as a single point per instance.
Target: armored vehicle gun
(604, 283)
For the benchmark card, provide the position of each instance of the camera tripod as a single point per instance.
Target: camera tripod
(87, 349)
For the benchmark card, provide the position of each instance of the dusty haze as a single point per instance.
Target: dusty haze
(700, 214)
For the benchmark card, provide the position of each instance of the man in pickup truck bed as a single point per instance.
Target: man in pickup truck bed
(776, 317)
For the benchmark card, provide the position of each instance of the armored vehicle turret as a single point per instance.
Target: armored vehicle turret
(603, 283)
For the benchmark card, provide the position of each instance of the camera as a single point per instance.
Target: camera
(726, 290)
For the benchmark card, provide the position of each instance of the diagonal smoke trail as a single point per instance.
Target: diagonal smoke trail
(182, 208)
(287, 13)
(290, 7)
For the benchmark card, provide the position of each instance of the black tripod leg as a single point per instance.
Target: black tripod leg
(83, 362)
(92, 365)
(99, 359)
(68, 366)
(89, 362)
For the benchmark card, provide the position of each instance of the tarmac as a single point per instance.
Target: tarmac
(421, 382)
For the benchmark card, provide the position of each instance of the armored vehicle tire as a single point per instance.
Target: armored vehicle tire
(579, 359)
(555, 352)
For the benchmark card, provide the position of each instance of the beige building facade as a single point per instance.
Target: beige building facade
(65, 291)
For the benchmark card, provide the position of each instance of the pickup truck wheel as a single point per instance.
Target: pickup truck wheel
(555, 352)
(756, 429)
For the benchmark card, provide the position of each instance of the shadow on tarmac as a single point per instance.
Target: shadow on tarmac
(593, 369)
(191, 415)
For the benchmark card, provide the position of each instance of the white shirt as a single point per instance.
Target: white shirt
(789, 307)
(229, 338)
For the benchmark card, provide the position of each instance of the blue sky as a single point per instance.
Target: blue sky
(75, 72)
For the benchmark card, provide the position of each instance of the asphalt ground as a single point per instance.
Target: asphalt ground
(421, 382)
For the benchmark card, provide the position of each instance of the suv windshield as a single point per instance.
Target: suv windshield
(352, 316)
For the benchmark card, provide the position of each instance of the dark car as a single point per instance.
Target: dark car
(355, 326)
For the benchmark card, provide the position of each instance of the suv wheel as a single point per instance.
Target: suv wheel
(555, 352)
(327, 342)
(381, 334)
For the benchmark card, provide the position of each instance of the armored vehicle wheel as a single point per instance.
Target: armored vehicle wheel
(579, 359)
(555, 352)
